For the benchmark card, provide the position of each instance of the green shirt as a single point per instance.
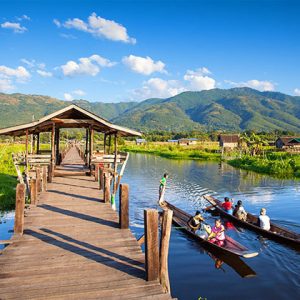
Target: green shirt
(163, 181)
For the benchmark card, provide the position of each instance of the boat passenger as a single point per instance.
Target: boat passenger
(195, 222)
(227, 205)
(239, 211)
(217, 235)
(264, 220)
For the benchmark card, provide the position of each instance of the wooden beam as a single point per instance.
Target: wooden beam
(124, 206)
(151, 244)
(20, 206)
(166, 227)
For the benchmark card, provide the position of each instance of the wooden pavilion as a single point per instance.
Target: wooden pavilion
(71, 116)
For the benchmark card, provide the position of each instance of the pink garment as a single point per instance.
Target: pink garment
(219, 231)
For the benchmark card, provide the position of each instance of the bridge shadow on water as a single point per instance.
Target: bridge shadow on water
(80, 215)
(103, 256)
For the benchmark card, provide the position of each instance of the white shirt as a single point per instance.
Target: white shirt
(264, 222)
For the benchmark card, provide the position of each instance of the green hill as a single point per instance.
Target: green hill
(234, 109)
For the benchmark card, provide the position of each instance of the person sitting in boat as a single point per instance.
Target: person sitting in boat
(239, 211)
(195, 222)
(264, 220)
(227, 205)
(217, 235)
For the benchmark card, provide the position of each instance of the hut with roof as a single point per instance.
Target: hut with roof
(229, 141)
(288, 143)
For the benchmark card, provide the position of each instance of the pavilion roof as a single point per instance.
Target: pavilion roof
(71, 116)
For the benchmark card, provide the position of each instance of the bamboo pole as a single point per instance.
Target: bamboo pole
(164, 249)
(124, 206)
(151, 244)
(20, 206)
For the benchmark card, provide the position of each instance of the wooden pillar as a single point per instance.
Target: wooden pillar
(166, 227)
(32, 143)
(33, 192)
(86, 145)
(38, 180)
(109, 143)
(91, 145)
(44, 186)
(151, 244)
(124, 206)
(104, 143)
(53, 149)
(115, 164)
(49, 173)
(37, 143)
(101, 179)
(20, 206)
(97, 172)
(26, 148)
(106, 187)
(57, 160)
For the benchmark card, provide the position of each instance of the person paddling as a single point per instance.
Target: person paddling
(217, 235)
(239, 211)
(162, 188)
(195, 221)
(227, 205)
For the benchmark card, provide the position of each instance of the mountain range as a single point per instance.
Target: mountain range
(235, 109)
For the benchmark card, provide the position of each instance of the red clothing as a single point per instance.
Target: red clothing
(227, 205)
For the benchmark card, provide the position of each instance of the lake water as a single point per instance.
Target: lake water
(193, 273)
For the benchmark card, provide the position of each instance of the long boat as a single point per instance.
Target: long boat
(232, 247)
(277, 233)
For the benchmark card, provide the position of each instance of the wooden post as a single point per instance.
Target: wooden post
(53, 149)
(57, 160)
(91, 143)
(33, 192)
(109, 143)
(96, 172)
(164, 249)
(151, 244)
(38, 180)
(124, 206)
(20, 206)
(104, 143)
(37, 143)
(86, 145)
(44, 187)
(49, 173)
(26, 149)
(106, 187)
(101, 179)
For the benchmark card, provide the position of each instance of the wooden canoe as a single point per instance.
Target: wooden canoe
(231, 246)
(277, 233)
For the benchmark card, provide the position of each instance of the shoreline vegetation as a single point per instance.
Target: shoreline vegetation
(276, 164)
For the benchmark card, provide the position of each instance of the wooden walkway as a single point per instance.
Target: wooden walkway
(72, 248)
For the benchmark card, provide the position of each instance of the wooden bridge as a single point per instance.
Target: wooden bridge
(73, 247)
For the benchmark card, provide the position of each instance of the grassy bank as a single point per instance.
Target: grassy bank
(278, 164)
(8, 176)
(196, 152)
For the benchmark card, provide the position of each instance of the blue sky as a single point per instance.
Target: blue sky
(115, 51)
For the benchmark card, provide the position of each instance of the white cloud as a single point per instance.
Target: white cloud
(6, 85)
(297, 92)
(86, 66)
(98, 27)
(157, 87)
(143, 65)
(198, 79)
(24, 17)
(79, 92)
(68, 97)
(44, 73)
(16, 27)
(20, 73)
(68, 36)
(255, 84)
(29, 63)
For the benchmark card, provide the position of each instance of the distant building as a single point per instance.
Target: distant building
(173, 141)
(288, 142)
(187, 142)
(229, 140)
(140, 141)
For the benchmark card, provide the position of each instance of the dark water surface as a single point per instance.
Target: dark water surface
(192, 270)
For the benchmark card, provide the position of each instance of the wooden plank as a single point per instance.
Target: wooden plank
(151, 244)
(5, 242)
